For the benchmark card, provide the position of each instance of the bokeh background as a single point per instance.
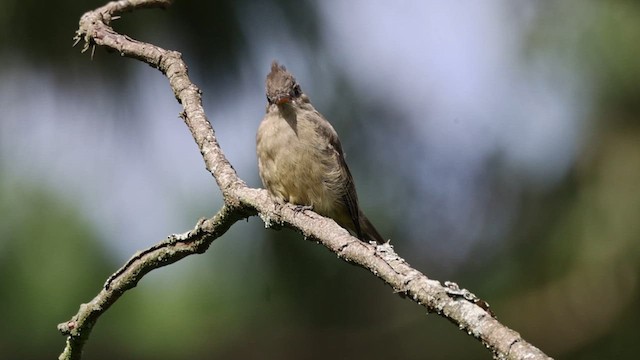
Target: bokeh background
(497, 143)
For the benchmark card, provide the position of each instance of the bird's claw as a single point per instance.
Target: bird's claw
(301, 208)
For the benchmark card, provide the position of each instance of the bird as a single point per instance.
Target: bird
(300, 157)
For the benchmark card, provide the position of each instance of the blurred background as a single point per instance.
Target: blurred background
(497, 144)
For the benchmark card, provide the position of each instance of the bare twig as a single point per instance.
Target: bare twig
(172, 249)
(458, 305)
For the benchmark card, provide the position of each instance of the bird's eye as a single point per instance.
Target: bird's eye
(269, 100)
(296, 90)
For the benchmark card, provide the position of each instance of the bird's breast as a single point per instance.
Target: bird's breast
(296, 164)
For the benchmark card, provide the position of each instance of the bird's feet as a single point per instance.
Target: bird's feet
(301, 208)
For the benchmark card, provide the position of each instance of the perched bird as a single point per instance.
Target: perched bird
(301, 160)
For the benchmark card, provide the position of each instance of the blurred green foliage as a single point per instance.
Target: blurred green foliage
(50, 259)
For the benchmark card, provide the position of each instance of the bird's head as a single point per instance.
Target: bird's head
(282, 87)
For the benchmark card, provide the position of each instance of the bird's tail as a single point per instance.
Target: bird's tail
(369, 232)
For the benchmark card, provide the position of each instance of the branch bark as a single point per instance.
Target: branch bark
(461, 307)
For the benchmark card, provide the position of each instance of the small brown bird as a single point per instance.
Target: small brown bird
(301, 160)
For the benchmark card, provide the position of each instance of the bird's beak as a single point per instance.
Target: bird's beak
(283, 100)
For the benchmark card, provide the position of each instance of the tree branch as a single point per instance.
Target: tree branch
(461, 307)
(172, 249)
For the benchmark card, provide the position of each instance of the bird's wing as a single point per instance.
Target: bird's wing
(349, 197)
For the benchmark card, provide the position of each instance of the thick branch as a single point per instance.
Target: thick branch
(459, 306)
